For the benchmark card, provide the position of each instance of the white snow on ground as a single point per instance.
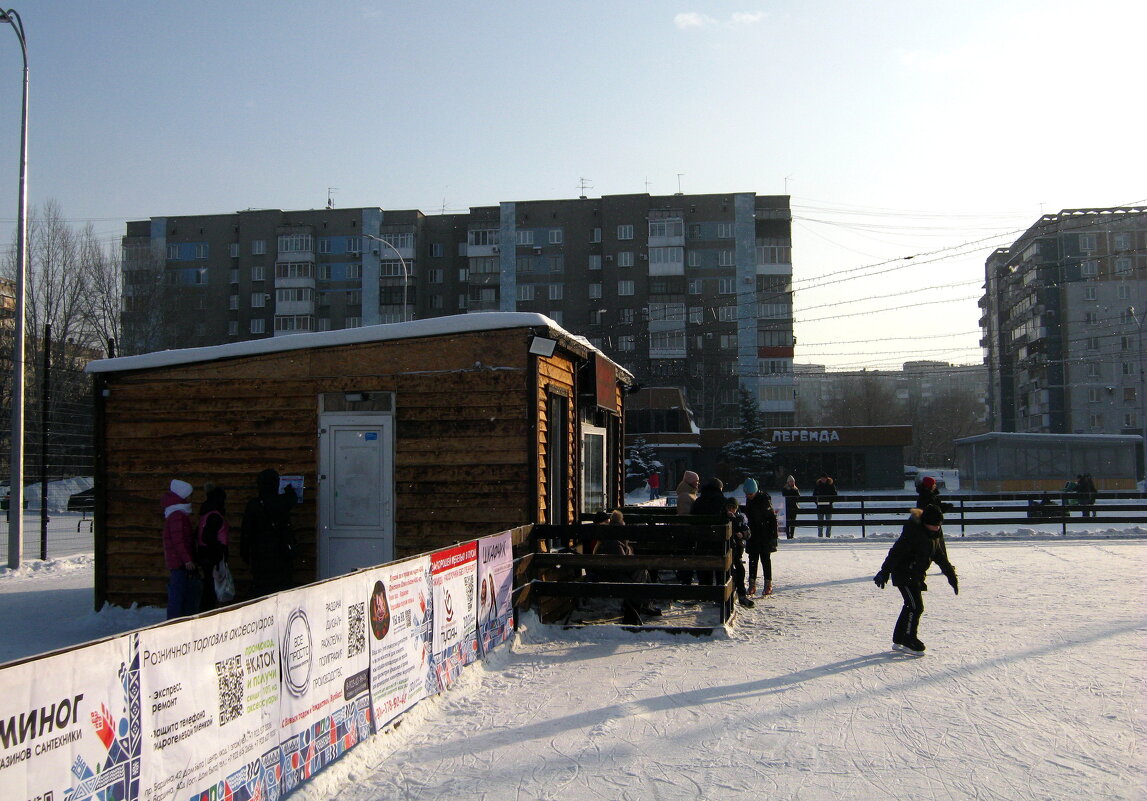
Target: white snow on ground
(1032, 688)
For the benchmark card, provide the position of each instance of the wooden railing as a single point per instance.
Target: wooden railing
(554, 568)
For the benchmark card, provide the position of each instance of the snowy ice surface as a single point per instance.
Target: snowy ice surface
(1032, 688)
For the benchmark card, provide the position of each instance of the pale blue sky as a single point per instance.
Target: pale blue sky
(899, 128)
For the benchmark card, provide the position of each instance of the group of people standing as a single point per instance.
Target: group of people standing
(754, 529)
(193, 554)
(823, 493)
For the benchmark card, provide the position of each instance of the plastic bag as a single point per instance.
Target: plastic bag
(224, 583)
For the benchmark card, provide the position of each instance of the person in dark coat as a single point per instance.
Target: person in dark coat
(824, 492)
(791, 492)
(710, 501)
(740, 526)
(928, 494)
(920, 544)
(762, 536)
(1087, 493)
(268, 543)
(214, 534)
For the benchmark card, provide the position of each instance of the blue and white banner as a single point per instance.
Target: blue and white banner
(495, 584)
(400, 614)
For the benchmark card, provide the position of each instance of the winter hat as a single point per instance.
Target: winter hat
(928, 482)
(932, 516)
(715, 484)
(750, 486)
(691, 478)
(181, 488)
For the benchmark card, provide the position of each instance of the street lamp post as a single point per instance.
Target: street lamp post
(405, 271)
(16, 465)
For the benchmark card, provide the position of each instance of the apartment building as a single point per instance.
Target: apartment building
(693, 291)
(1062, 320)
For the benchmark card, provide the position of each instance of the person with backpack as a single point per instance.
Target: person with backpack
(211, 544)
(267, 542)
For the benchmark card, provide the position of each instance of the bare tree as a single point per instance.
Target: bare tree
(868, 400)
(938, 422)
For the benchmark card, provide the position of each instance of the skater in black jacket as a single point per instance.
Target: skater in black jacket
(920, 544)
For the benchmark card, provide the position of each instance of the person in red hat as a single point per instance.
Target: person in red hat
(927, 493)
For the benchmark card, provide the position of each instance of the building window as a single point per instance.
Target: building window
(1089, 268)
(695, 286)
(556, 262)
(525, 237)
(1128, 368)
(625, 258)
(1129, 394)
(1093, 343)
(233, 328)
(258, 248)
(297, 243)
(233, 303)
(1092, 370)
(555, 291)
(258, 300)
(525, 292)
(296, 295)
(1087, 243)
(1095, 420)
(324, 245)
(728, 341)
(1122, 264)
(1090, 293)
(724, 230)
(694, 258)
(1130, 420)
(696, 315)
(436, 301)
(555, 315)
(463, 274)
(463, 301)
(234, 250)
(595, 235)
(1123, 292)
(595, 262)
(258, 273)
(1093, 395)
(727, 286)
(726, 259)
(1090, 318)
(483, 237)
(435, 276)
(1122, 242)
(258, 326)
(625, 232)
(354, 322)
(666, 228)
(727, 314)
(594, 291)
(625, 316)
(353, 244)
(555, 236)
(626, 343)
(301, 269)
(234, 276)
(436, 250)
(624, 287)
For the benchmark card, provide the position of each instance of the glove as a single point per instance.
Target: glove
(881, 578)
(955, 584)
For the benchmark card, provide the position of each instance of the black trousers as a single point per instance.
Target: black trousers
(909, 620)
(766, 560)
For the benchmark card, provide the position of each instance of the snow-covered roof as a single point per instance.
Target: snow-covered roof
(434, 326)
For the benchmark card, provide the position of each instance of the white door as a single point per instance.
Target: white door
(356, 492)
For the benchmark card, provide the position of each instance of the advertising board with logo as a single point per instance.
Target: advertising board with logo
(495, 583)
(455, 581)
(209, 693)
(400, 613)
(70, 725)
(325, 708)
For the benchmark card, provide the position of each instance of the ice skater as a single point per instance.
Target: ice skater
(920, 544)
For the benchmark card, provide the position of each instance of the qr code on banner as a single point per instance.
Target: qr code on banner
(356, 629)
(230, 673)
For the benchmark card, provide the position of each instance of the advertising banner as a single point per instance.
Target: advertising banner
(209, 689)
(454, 578)
(70, 725)
(400, 635)
(325, 708)
(495, 583)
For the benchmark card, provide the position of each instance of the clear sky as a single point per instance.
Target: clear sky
(933, 130)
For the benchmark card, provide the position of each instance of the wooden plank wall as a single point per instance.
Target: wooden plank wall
(556, 373)
(463, 436)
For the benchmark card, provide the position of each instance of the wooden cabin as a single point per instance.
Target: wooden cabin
(402, 438)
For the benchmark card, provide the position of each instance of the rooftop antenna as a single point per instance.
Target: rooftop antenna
(787, 179)
(330, 196)
(679, 183)
(647, 184)
(583, 184)
(444, 198)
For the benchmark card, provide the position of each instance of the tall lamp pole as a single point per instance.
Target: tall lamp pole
(405, 271)
(16, 465)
